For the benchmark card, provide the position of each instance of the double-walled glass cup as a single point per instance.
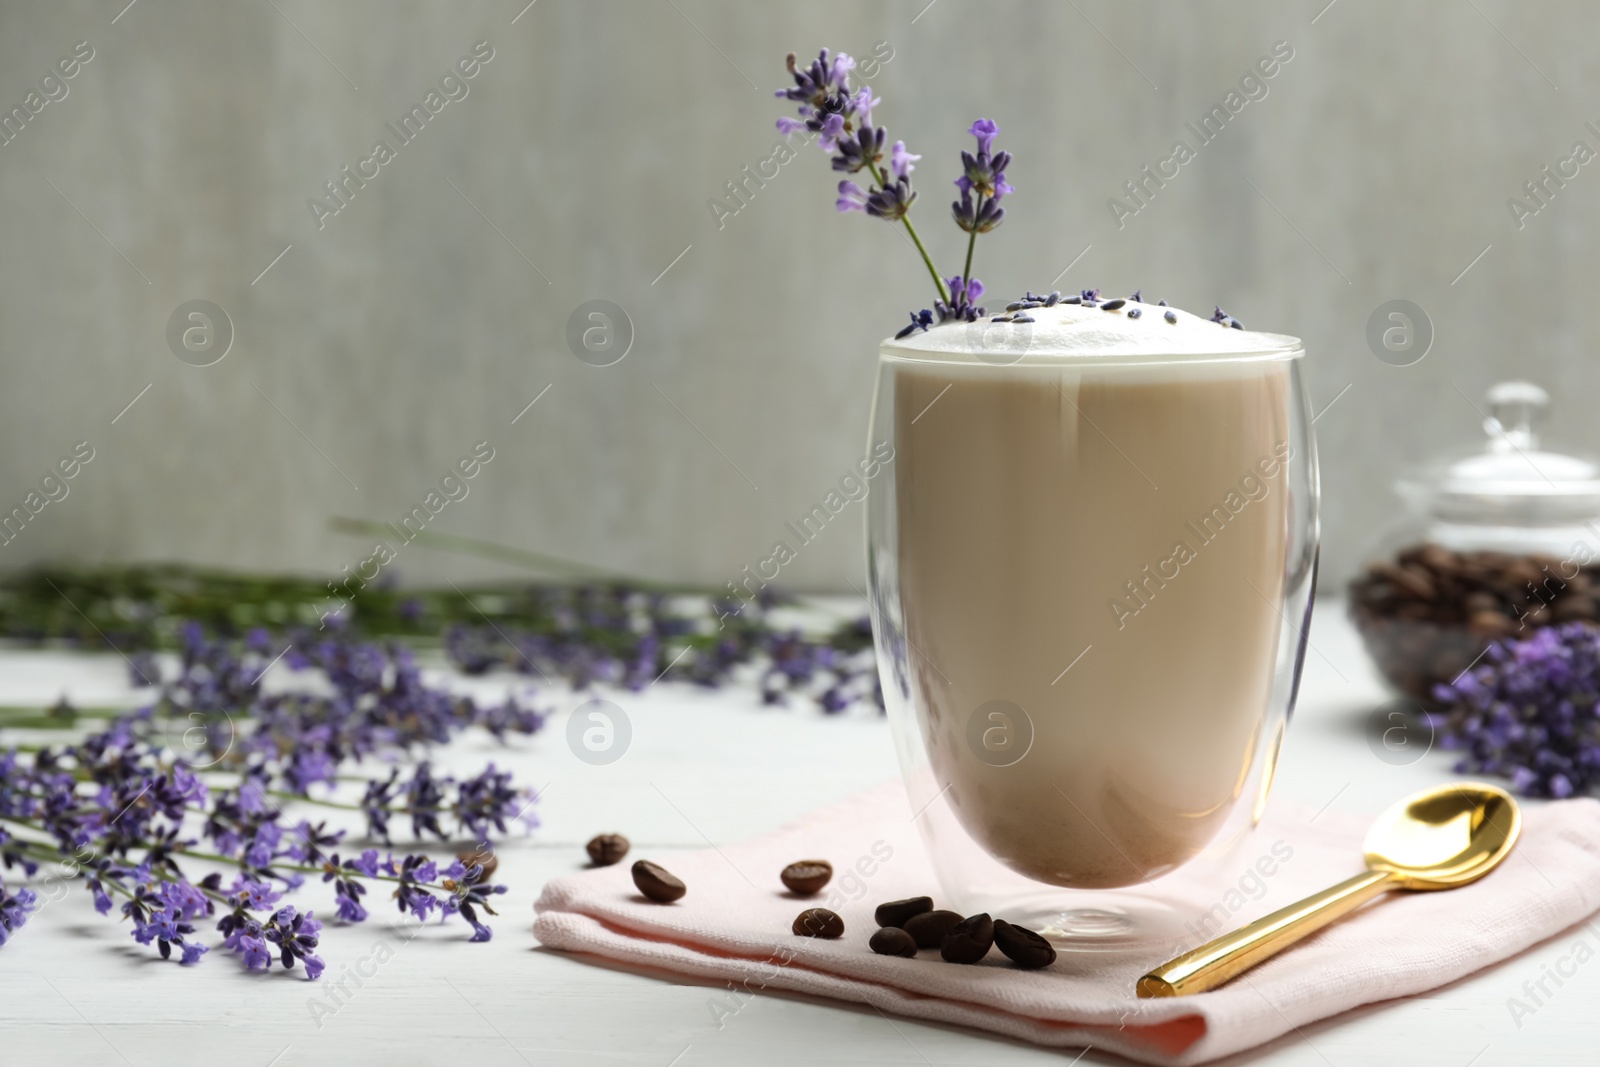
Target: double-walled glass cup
(1091, 578)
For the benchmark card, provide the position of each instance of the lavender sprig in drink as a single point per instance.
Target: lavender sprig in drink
(839, 117)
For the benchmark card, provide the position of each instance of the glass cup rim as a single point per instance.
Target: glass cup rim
(977, 359)
(892, 350)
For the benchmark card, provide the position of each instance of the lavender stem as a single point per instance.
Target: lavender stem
(938, 282)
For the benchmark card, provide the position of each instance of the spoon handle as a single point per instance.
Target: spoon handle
(1219, 961)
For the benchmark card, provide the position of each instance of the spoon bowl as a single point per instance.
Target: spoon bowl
(1444, 837)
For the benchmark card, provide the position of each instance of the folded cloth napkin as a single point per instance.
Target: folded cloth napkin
(734, 926)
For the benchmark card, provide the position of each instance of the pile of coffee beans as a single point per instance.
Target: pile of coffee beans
(904, 926)
(1426, 616)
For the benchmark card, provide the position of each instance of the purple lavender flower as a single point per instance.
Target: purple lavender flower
(184, 900)
(263, 849)
(425, 799)
(978, 215)
(14, 910)
(488, 799)
(865, 149)
(309, 841)
(380, 793)
(255, 951)
(822, 90)
(348, 890)
(892, 201)
(411, 896)
(1528, 712)
(851, 197)
(984, 130)
(467, 894)
(966, 290)
(900, 160)
(257, 896)
(832, 131)
(962, 307)
(982, 182)
(349, 907)
(164, 917)
(1224, 319)
(888, 202)
(985, 176)
(296, 935)
(920, 320)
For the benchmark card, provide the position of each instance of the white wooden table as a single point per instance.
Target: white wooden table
(75, 989)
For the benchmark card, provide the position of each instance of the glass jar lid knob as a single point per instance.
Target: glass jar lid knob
(1514, 408)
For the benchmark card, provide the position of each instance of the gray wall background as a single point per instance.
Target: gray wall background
(378, 349)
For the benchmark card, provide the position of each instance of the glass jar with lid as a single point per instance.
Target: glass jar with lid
(1497, 542)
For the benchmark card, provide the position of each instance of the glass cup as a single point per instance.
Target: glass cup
(1091, 578)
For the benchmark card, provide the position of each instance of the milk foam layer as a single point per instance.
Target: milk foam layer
(1079, 332)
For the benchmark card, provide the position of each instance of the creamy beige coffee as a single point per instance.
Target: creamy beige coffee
(1091, 549)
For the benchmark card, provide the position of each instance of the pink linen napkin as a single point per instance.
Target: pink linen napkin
(734, 926)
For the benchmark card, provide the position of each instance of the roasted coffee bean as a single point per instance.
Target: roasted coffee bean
(930, 927)
(1412, 579)
(897, 912)
(806, 878)
(1022, 946)
(607, 849)
(1436, 557)
(1491, 624)
(819, 922)
(1422, 580)
(1574, 609)
(484, 858)
(657, 883)
(969, 941)
(893, 941)
(1525, 572)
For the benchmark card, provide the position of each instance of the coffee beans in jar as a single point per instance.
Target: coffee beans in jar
(1427, 615)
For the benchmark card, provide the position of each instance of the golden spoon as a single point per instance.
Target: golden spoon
(1437, 839)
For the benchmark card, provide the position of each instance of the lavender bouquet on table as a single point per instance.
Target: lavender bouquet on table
(838, 117)
(172, 815)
